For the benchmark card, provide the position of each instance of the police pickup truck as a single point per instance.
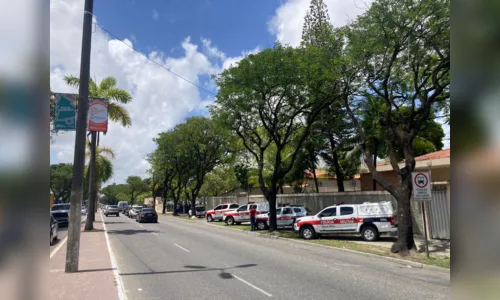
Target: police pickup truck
(242, 214)
(368, 219)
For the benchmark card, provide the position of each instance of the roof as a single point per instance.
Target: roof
(429, 156)
(323, 174)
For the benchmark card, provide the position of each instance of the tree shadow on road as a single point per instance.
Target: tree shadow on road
(190, 269)
(131, 231)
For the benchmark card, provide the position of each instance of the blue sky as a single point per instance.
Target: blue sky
(231, 25)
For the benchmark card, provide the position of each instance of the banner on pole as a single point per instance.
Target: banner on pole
(98, 115)
(65, 112)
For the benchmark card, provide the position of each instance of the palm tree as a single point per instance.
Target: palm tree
(107, 89)
(104, 166)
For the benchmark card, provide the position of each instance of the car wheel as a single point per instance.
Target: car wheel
(261, 225)
(369, 233)
(117, 215)
(230, 221)
(51, 239)
(210, 218)
(307, 232)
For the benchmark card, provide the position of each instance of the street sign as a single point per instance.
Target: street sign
(421, 186)
(98, 115)
(65, 112)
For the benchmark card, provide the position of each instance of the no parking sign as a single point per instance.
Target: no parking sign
(421, 186)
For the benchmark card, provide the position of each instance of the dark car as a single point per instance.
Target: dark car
(147, 215)
(60, 212)
(54, 230)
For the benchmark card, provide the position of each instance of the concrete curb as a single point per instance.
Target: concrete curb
(403, 262)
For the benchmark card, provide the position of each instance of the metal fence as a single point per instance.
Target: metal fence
(439, 214)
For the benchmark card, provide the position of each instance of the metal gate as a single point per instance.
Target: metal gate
(439, 214)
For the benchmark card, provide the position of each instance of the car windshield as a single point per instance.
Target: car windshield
(201, 208)
(60, 207)
(147, 210)
(113, 206)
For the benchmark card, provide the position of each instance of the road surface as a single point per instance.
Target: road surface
(177, 259)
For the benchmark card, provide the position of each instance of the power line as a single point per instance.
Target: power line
(131, 47)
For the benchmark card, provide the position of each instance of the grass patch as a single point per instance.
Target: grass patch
(436, 260)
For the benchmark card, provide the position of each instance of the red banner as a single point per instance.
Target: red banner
(98, 115)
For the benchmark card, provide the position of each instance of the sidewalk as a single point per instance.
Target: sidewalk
(436, 247)
(95, 279)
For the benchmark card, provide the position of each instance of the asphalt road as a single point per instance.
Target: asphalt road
(177, 259)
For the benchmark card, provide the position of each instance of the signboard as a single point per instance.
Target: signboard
(98, 115)
(421, 186)
(65, 112)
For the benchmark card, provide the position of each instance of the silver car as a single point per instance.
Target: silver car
(112, 210)
(134, 211)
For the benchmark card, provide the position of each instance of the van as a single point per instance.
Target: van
(122, 205)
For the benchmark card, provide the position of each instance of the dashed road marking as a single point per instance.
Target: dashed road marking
(253, 286)
(182, 248)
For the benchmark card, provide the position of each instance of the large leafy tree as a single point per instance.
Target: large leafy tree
(60, 181)
(204, 145)
(222, 179)
(114, 193)
(401, 50)
(136, 186)
(266, 102)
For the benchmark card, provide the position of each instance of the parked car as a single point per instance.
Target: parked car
(122, 205)
(285, 216)
(200, 211)
(54, 230)
(368, 219)
(134, 211)
(147, 215)
(84, 210)
(242, 214)
(300, 211)
(216, 214)
(112, 210)
(60, 212)
(126, 210)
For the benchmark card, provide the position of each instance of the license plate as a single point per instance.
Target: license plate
(149, 215)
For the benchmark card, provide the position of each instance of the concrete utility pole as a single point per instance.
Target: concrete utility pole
(73, 247)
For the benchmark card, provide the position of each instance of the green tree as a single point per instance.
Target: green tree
(222, 179)
(402, 52)
(136, 186)
(104, 166)
(265, 100)
(114, 193)
(60, 181)
(204, 145)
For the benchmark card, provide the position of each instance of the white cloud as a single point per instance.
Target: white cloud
(155, 15)
(160, 99)
(233, 61)
(287, 22)
(212, 51)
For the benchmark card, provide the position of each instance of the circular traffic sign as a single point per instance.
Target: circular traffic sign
(421, 180)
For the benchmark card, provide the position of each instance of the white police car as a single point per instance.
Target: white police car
(368, 219)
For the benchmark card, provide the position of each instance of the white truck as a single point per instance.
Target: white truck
(242, 213)
(368, 219)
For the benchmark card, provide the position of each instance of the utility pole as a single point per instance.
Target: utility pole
(73, 247)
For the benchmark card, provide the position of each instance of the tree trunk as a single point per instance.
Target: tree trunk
(89, 225)
(375, 150)
(193, 206)
(405, 241)
(281, 189)
(271, 199)
(338, 172)
(315, 179)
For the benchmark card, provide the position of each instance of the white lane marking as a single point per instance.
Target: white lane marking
(253, 286)
(114, 265)
(61, 243)
(154, 233)
(182, 248)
